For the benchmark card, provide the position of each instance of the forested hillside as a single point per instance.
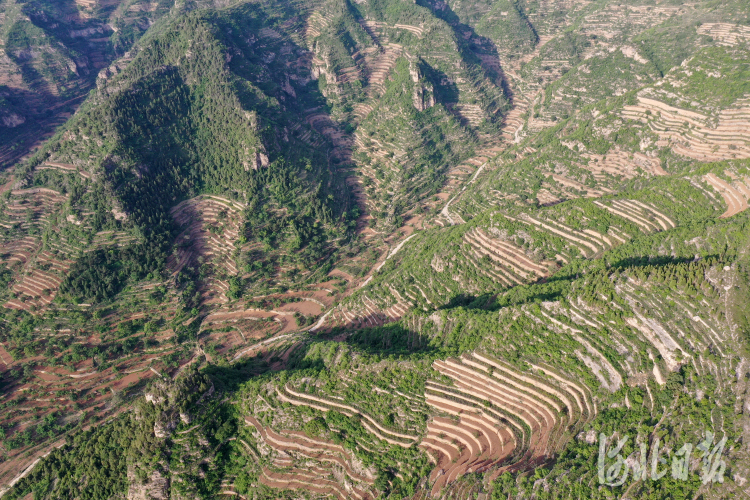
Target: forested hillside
(52, 53)
(374, 249)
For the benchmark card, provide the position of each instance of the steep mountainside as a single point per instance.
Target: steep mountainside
(51, 55)
(374, 249)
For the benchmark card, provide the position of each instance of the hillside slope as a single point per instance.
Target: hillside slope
(51, 55)
(459, 401)
(373, 249)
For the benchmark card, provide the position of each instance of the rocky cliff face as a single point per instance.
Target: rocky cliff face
(167, 469)
(155, 486)
(424, 93)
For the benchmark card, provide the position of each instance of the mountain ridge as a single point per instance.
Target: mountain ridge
(372, 249)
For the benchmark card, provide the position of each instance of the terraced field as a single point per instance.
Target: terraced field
(386, 249)
(504, 418)
(292, 446)
(686, 131)
(491, 416)
(40, 272)
(499, 251)
(210, 228)
(726, 33)
(735, 195)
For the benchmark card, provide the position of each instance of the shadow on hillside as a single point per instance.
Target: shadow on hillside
(482, 48)
(391, 339)
(41, 105)
(628, 263)
(386, 341)
(661, 260)
(285, 92)
(554, 287)
(469, 301)
(446, 91)
(396, 340)
(230, 377)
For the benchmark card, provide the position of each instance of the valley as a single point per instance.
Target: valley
(371, 249)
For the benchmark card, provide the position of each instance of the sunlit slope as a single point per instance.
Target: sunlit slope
(647, 338)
